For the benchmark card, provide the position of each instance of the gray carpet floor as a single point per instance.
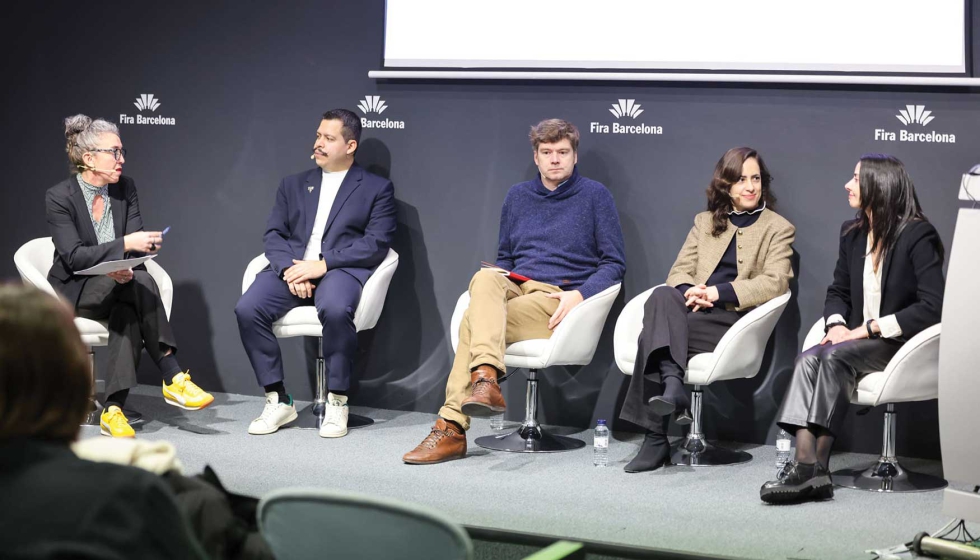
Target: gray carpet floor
(712, 510)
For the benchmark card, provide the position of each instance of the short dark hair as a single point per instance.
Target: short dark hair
(550, 131)
(45, 374)
(351, 129)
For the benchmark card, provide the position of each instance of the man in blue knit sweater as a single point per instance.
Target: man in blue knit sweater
(562, 231)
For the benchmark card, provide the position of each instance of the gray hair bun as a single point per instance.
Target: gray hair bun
(75, 125)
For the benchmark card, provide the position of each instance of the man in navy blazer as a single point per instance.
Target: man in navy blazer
(329, 229)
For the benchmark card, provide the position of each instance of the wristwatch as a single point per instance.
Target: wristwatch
(871, 332)
(829, 326)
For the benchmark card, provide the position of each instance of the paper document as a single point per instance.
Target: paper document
(114, 266)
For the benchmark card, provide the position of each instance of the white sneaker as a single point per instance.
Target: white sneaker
(334, 417)
(274, 416)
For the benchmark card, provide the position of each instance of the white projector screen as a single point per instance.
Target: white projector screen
(891, 36)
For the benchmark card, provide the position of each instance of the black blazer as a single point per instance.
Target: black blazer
(912, 280)
(76, 246)
(59, 506)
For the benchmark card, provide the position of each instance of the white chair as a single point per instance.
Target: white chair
(303, 321)
(738, 356)
(303, 523)
(573, 342)
(911, 375)
(33, 261)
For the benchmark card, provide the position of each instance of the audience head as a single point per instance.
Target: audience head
(555, 144)
(94, 149)
(336, 140)
(45, 376)
(741, 183)
(883, 194)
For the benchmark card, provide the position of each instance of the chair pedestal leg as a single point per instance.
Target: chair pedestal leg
(530, 437)
(311, 417)
(94, 416)
(887, 475)
(95, 407)
(695, 451)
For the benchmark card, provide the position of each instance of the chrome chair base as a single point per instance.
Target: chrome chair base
(311, 418)
(529, 439)
(94, 412)
(93, 418)
(887, 476)
(697, 452)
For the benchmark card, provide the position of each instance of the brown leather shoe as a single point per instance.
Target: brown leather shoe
(486, 399)
(444, 443)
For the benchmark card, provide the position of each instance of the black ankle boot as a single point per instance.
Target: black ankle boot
(654, 453)
(674, 398)
(798, 482)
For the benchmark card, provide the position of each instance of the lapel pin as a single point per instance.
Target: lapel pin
(309, 189)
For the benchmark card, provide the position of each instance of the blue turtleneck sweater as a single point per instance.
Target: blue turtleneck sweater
(569, 237)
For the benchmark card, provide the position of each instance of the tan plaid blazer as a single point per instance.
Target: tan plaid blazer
(764, 250)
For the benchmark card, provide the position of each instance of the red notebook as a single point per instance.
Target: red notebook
(509, 274)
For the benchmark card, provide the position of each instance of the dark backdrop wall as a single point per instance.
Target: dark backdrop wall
(246, 84)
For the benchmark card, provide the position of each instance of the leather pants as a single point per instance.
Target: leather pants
(824, 379)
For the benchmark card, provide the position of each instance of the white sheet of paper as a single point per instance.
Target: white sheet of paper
(114, 266)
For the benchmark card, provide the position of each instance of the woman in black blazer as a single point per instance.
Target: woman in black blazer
(888, 286)
(94, 217)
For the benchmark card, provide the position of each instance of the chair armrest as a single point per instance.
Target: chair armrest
(164, 284)
(462, 304)
(575, 339)
(913, 372)
(815, 335)
(374, 293)
(628, 327)
(29, 272)
(739, 353)
(253, 268)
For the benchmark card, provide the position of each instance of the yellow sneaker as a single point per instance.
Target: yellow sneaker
(184, 393)
(114, 423)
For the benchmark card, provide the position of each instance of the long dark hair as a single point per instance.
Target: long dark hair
(888, 202)
(727, 172)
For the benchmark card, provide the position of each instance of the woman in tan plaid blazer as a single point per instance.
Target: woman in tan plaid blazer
(737, 256)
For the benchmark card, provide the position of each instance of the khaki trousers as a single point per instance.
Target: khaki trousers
(501, 312)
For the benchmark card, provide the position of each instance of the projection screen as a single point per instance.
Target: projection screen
(855, 36)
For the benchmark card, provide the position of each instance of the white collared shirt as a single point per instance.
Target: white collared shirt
(329, 185)
(871, 282)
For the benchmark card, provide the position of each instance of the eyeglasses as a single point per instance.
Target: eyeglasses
(116, 152)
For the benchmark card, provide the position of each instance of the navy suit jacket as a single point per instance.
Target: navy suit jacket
(358, 231)
(76, 246)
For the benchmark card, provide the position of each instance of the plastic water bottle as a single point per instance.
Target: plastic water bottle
(600, 445)
(783, 450)
(497, 422)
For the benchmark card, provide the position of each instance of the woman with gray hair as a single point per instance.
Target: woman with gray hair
(94, 217)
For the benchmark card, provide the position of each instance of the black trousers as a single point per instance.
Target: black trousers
(825, 378)
(136, 319)
(670, 332)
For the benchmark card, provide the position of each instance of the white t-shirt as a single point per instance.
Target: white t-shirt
(329, 186)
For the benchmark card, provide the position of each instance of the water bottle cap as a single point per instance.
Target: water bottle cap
(601, 422)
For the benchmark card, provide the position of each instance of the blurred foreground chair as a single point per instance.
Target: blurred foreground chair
(301, 524)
